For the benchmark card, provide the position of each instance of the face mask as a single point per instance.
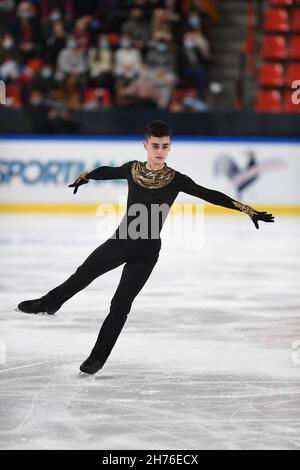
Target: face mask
(7, 43)
(55, 16)
(59, 76)
(103, 44)
(25, 14)
(72, 43)
(46, 73)
(36, 100)
(162, 47)
(194, 21)
(125, 43)
(131, 74)
(188, 43)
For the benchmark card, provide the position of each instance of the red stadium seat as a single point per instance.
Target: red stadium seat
(281, 3)
(271, 75)
(268, 101)
(296, 21)
(289, 106)
(295, 47)
(114, 38)
(274, 47)
(293, 73)
(276, 21)
(14, 97)
(35, 64)
(99, 95)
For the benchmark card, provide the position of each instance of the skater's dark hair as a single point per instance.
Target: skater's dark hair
(157, 129)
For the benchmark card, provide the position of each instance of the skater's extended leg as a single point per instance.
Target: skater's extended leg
(107, 256)
(134, 277)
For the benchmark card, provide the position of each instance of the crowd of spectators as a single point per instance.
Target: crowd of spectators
(93, 54)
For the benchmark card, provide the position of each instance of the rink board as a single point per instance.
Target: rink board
(35, 173)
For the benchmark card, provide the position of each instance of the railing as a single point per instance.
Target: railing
(249, 51)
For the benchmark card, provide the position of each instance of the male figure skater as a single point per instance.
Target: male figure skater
(136, 242)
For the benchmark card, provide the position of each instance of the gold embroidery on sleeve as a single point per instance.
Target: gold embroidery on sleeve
(244, 208)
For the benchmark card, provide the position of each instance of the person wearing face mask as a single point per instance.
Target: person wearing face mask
(193, 21)
(137, 27)
(8, 48)
(55, 43)
(43, 80)
(161, 60)
(100, 63)
(161, 54)
(49, 22)
(71, 59)
(128, 59)
(24, 26)
(9, 70)
(193, 63)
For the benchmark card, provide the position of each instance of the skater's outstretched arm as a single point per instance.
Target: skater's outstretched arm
(101, 173)
(220, 199)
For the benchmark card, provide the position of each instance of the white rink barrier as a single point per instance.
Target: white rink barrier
(35, 172)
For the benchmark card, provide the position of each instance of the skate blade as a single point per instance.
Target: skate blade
(40, 313)
(83, 375)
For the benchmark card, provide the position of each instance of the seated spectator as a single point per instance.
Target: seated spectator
(164, 82)
(43, 80)
(100, 63)
(161, 23)
(8, 48)
(137, 28)
(139, 92)
(55, 43)
(71, 59)
(161, 54)
(57, 49)
(193, 61)
(49, 22)
(25, 27)
(128, 59)
(82, 33)
(9, 70)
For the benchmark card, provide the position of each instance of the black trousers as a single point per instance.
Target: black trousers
(139, 256)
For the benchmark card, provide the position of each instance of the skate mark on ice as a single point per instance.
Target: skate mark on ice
(27, 365)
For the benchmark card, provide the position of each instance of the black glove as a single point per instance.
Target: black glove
(264, 216)
(82, 179)
(254, 215)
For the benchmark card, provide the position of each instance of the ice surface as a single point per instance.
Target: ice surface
(209, 357)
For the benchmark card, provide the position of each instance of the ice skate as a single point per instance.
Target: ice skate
(34, 307)
(91, 365)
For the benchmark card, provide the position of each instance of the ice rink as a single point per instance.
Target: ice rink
(209, 357)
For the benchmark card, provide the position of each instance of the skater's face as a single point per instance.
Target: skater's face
(157, 149)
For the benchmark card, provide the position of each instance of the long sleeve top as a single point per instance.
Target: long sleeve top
(150, 198)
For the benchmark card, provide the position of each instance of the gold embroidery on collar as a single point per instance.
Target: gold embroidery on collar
(151, 179)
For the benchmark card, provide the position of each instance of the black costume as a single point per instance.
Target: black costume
(147, 189)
